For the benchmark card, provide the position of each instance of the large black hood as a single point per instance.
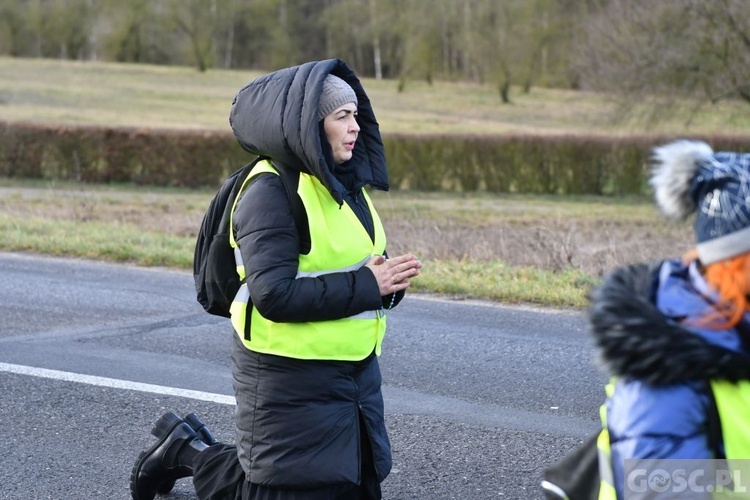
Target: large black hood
(276, 115)
(635, 340)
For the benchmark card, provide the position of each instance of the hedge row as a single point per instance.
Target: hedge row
(519, 164)
(104, 155)
(535, 164)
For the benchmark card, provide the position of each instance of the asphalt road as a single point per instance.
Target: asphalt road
(479, 398)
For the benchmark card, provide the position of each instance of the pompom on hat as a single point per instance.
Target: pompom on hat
(336, 92)
(689, 177)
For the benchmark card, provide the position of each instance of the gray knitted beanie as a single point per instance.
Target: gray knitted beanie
(336, 92)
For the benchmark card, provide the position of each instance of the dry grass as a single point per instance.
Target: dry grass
(593, 247)
(589, 234)
(111, 94)
(546, 233)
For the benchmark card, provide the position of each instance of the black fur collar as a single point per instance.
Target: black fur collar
(634, 340)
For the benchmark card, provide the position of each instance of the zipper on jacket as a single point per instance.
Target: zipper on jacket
(360, 420)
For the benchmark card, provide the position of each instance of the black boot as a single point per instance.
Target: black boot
(203, 433)
(199, 427)
(171, 458)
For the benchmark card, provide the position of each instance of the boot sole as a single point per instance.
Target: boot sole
(162, 428)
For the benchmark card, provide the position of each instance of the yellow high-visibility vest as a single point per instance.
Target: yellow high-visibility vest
(733, 404)
(338, 243)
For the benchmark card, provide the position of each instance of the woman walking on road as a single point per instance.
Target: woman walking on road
(309, 418)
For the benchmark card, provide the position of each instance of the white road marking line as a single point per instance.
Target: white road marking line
(116, 383)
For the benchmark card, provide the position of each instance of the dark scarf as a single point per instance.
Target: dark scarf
(346, 174)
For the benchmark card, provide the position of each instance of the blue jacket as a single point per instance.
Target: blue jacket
(643, 320)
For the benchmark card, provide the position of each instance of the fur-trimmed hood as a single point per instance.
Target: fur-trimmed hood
(635, 340)
(276, 115)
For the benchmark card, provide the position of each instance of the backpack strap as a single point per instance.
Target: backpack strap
(290, 178)
(240, 175)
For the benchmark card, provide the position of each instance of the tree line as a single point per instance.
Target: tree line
(647, 52)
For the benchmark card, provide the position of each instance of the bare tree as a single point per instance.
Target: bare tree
(126, 40)
(60, 28)
(14, 33)
(519, 42)
(196, 19)
(425, 47)
(226, 25)
(657, 57)
(500, 45)
(375, 26)
(724, 36)
(546, 28)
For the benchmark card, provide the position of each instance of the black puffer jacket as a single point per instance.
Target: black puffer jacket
(298, 422)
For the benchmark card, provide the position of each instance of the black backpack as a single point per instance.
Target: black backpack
(214, 267)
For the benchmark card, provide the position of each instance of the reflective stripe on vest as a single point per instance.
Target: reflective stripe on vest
(338, 243)
(607, 489)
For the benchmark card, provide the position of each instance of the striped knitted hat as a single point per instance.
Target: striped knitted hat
(689, 177)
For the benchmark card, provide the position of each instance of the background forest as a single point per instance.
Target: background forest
(644, 51)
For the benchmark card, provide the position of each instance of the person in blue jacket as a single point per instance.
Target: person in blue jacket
(675, 334)
(310, 317)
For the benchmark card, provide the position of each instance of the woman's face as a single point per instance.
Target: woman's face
(341, 131)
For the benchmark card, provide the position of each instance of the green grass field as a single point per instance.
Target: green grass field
(71, 92)
(544, 250)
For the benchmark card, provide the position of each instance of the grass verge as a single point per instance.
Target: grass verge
(95, 240)
(127, 243)
(495, 281)
(538, 250)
